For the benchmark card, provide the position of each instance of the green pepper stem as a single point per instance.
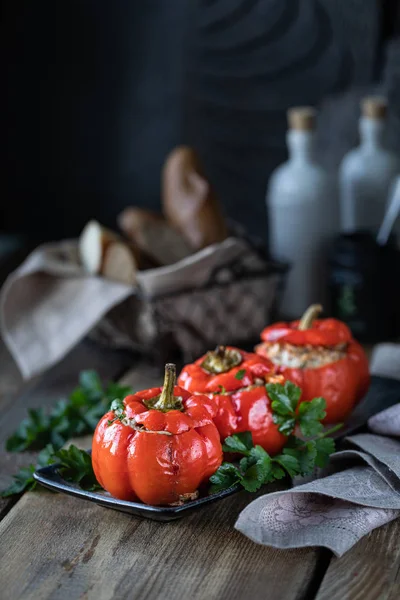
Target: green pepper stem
(309, 316)
(166, 399)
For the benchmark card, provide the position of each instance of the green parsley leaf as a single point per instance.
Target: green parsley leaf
(289, 463)
(304, 451)
(310, 415)
(299, 457)
(285, 398)
(32, 433)
(251, 480)
(71, 417)
(23, 481)
(277, 472)
(284, 401)
(324, 447)
(257, 473)
(117, 405)
(240, 374)
(76, 466)
(46, 456)
(225, 477)
(286, 424)
(77, 415)
(239, 442)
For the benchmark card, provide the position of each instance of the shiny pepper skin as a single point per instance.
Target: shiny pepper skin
(241, 396)
(343, 382)
(158, 454)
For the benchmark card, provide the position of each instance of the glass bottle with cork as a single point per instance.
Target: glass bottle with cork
(366, 172)
(303, 215)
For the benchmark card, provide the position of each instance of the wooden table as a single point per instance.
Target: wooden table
(58, 547)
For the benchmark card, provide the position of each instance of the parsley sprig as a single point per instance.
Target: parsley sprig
(49, 431)
(77, 415)
(284, 402)
(299, 456)
(75, 465)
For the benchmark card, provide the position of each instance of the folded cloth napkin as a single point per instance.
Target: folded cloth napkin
(48, 305)
(359, 491)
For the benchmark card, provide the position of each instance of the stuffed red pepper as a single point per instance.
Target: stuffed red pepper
(322, 358)
(236, 380)
(159, 445)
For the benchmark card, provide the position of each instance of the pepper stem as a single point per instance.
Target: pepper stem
(220, 351)
(166, 400)
(221, 360)
(311, 313)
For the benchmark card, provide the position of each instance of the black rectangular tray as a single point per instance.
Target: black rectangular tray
(383, 392)
(50, 478)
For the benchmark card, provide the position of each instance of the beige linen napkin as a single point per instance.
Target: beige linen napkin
(49, 303)
(358, 492)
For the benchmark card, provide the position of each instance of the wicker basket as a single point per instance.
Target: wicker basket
(231, 305)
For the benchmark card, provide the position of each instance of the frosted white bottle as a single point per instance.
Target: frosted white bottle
(303, 216)
(367, 172)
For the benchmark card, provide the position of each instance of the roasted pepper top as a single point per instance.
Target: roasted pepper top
(309, 331)
(225, 369)
(146, 411)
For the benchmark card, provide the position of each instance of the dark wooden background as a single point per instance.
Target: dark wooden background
(95, 93)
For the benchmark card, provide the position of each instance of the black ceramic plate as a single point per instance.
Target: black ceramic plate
(383, 393)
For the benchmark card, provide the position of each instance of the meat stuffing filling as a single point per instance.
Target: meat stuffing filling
(303, 357)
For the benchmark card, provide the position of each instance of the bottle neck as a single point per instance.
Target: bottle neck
(300, 145)
(371, 132)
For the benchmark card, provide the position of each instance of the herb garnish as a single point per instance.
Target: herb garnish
(49, 431)
(118, 407)
(285, 399)
(299, 456)
(75, 416)
(240, 374)
(75, 466)
(221, 390)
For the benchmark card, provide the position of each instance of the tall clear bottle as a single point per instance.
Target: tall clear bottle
(367, 172)
(302, 214)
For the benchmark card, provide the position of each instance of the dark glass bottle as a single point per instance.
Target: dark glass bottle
(364, 284)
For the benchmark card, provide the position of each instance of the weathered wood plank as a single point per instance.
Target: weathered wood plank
(85, 551)
(368, 571)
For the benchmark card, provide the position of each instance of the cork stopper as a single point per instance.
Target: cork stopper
(374, 107)
(302, 118)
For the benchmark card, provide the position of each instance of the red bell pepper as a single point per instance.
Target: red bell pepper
(159, 445)
(236, 380)
(322, 358)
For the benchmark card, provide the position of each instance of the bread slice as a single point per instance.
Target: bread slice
(153, 236)
(93, 243)
(119, 263)
(103, 252)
